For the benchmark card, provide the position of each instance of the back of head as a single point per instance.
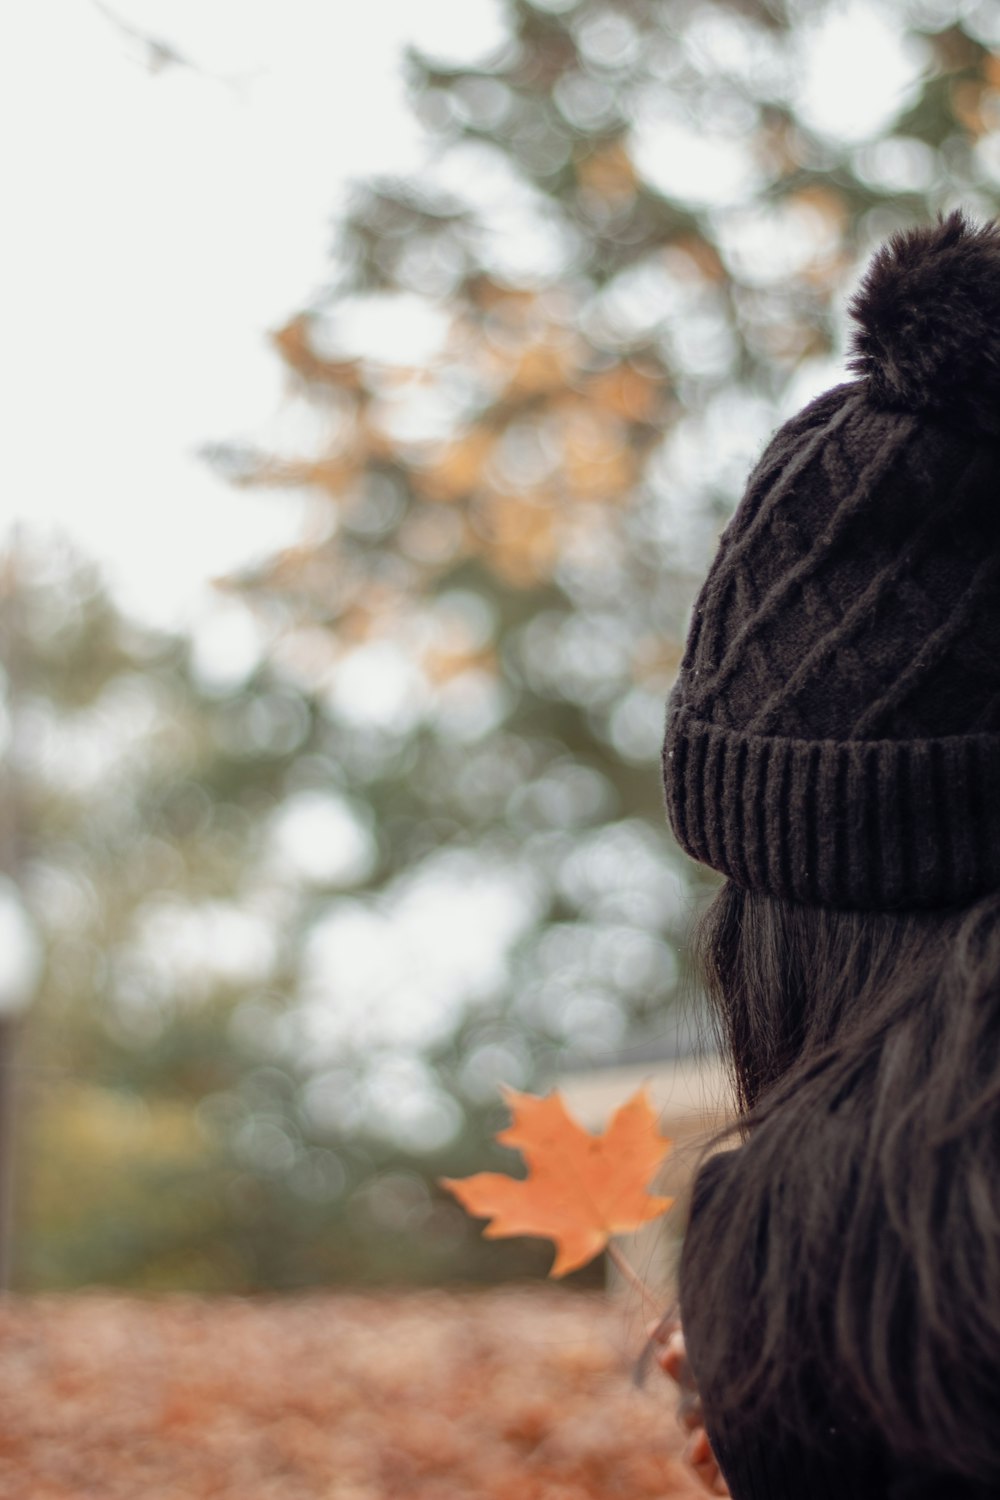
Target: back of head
(855, 1249)
(833, 747)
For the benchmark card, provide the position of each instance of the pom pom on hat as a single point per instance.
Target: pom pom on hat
(928, 310)
(833, 734)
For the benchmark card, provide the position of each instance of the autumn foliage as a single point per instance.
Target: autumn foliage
(517, 1394)
(580, 1189)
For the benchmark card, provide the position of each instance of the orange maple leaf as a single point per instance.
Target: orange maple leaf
(580, 1189)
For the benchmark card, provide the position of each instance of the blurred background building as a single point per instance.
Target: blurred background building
(379, 384)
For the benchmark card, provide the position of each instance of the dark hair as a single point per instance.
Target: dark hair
(855, 1250)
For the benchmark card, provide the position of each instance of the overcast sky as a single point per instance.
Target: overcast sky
(159, 223)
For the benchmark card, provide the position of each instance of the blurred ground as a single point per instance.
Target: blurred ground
(516, 1394)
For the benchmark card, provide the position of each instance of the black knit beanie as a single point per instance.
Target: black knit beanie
(833, 736)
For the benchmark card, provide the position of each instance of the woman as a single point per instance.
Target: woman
(833, 747)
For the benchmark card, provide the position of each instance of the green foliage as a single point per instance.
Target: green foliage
(168, 1135)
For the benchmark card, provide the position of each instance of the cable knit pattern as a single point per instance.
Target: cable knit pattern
(834, 732)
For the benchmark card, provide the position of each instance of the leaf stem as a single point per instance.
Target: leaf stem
(632, 1276)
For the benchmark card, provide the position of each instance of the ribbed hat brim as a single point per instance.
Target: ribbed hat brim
(853, 823)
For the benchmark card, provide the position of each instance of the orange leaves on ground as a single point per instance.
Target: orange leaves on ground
(426, 1395)
(580, 1189)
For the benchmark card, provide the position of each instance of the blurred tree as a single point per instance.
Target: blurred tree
(172, 1132)
(617, 271)
(137, 817)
